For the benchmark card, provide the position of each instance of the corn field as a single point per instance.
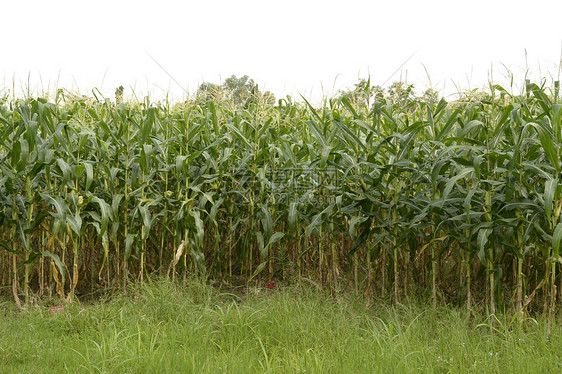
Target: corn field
(457, 202)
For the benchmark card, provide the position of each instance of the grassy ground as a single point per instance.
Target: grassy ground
(196, 329)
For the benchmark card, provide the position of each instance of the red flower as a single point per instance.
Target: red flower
(271, 285)
(56, 309)
(12, 258)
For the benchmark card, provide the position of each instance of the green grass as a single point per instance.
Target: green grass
(195, 328)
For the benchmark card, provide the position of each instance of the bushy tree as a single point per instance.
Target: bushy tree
(240, 90)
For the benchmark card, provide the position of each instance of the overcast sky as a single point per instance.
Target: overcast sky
(288, 47)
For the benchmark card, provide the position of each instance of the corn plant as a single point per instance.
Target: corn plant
(458, 202)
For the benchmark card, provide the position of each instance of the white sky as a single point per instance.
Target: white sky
(291, 47)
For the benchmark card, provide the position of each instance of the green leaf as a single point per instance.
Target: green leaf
(57, 261)
(105, 245)
(261, 244)
(146, 155)
(147, 125)
(58, 203)
(89, 175)
(106, 213)
(483, 235)
(200, 231)
(353, 222)
(65, 169)
(75, 222)
(348, 106)
(452, 181)
(317, 134)
(23, 155)
(259, 269)
(267, 221)
(129, 240)
(239, 135)
(275, 238)
(546, 138)
(292, 215)
(4, 245)
(318, 219)
(556, 240)
(549, 191)
(180, 162)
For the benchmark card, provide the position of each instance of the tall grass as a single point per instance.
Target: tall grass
(459, 201)
(196, 329)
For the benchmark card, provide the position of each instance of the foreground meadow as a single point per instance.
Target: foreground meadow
(197, 328)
